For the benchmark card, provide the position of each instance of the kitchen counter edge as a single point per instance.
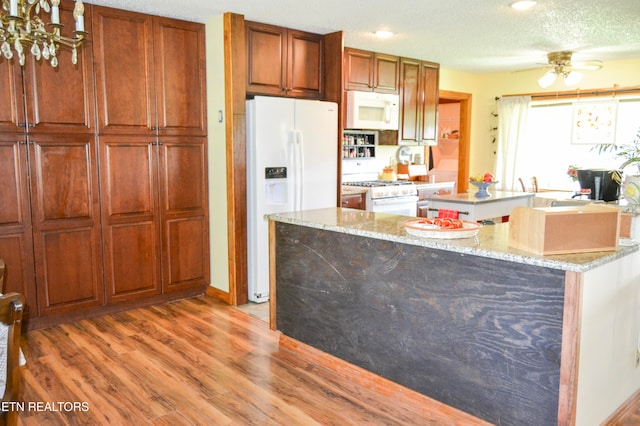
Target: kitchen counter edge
(491, 241)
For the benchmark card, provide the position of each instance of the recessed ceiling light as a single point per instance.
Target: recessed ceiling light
(523, 4)
(383, 34)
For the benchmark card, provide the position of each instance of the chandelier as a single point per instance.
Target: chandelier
(21, 27)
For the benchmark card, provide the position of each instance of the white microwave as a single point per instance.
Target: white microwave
(369, 110)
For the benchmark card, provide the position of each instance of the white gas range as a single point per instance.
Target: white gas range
(384, 196)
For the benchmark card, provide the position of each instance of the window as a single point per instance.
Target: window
(549, 148)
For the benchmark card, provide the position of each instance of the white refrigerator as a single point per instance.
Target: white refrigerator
(292, 164)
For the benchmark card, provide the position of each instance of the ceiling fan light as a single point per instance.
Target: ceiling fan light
(547, 79)
(523, 4)
(383, 34)
(572, 78)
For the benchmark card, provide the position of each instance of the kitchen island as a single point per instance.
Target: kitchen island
(507, 336)
(472, 208)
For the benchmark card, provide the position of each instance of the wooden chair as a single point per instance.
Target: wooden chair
(11, 308)
(532, 188)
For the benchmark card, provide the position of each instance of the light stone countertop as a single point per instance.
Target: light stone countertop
(491, 241)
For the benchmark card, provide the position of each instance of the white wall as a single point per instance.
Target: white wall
(218, 239)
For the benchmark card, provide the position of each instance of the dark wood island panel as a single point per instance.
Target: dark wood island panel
(480, 334)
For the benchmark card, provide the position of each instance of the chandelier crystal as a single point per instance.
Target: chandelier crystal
(22, 29)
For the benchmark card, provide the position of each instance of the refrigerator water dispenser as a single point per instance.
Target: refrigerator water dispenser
(275, 190)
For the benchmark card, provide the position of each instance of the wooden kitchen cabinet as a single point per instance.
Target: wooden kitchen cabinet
(155, 215)
(50, 221)
(66, 222)
(11, 98)
(48, 178)
(150, 74)
(353, 201)
(16, 238)
(153, 154)
(283, 61)
(370, 71)
(418, 101)
(38, 107)
(76, 238)
(184, 215)
(130, 219)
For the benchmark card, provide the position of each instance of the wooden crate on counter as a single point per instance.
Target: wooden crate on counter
(560, 230)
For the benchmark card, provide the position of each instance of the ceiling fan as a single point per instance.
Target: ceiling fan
(560, 65)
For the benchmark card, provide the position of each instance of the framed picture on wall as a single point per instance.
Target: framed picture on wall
(594, 122)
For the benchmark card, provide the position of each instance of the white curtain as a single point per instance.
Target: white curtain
(513, 114)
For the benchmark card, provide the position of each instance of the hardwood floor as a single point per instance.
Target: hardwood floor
(200, 362)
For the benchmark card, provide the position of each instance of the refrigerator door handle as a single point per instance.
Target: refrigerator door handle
(299, 169)
(295, 180)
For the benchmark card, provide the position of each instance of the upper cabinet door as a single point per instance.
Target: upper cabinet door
(358, 70)
(418, 101)
(11, 100)
(368, 71)
(266, 58)
(123, 55)
(283, 62)
(180, 73)
(304, 70)
(410, 101)
(62, 99)
(386, 73)
(429, 81)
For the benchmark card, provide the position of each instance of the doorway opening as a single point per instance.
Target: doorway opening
(454, 137)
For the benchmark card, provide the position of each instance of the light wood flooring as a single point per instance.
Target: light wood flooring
(200, 362)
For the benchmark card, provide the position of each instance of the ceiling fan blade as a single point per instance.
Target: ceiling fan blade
(540, 67)
(593, 65)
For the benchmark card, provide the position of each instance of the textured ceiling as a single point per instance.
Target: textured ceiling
(466, 35)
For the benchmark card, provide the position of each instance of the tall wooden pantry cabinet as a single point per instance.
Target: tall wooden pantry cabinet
(152, 136)
(103, 169)
(49, 203)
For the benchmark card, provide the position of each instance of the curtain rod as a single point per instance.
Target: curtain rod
(578, 93)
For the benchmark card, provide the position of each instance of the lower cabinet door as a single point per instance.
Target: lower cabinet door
(184, 213)
(66, 223)
(130, 216)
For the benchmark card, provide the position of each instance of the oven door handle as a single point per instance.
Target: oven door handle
(395, 200)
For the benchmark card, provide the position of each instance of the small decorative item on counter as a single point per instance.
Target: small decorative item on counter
(482, 183)
(441, 228)
(572, 172)
(487, 177)
(388, 173)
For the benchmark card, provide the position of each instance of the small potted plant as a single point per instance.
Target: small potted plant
(630, 153)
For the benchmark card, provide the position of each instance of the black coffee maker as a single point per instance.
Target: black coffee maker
(601, 184)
